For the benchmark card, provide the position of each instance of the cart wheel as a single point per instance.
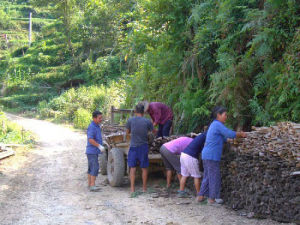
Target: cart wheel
(115, 167)
(103, 163)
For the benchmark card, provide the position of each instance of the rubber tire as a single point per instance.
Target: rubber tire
(115, 167)
(103, 163)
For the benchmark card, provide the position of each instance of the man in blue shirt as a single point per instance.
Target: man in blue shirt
(93, 149)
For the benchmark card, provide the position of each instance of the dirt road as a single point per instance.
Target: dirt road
(50, 188)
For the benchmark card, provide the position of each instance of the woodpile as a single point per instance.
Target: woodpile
(156, 143)
(109, 129)
(260, 173)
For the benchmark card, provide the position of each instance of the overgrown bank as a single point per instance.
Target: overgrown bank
(11, 133)
(188, 54)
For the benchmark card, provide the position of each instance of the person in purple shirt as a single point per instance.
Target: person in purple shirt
(93, 149)
(217, 134)
(170, 153)
(161, 115)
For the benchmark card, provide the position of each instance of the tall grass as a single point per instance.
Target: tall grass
(77, 104)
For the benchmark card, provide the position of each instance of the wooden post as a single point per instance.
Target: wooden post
(112, 114)
(30, 28)
(6, 40)
(22, 134)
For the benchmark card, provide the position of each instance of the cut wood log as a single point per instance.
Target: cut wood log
(6, 153)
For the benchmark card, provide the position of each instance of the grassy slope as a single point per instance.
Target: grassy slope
(30, 75)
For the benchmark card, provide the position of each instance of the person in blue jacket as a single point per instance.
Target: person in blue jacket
(217, 134)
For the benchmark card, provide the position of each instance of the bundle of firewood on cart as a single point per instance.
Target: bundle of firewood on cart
(156, 143)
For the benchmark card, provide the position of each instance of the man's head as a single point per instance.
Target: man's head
(146, 105)
(97, 117)
(139, 109)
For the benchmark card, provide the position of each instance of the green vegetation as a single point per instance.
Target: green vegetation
(12, 133)
(77, 104)
(190, 54)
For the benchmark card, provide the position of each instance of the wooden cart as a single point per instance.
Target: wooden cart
(113, 162)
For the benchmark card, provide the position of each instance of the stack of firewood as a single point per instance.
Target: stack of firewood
(156, 143)
(109, 129)
(261, 173)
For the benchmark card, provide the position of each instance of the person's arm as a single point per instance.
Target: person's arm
(128, 127)
(225, 132)
(241, 134)
(151, 128)
(91, 137)
(93, 142)
(155, 114)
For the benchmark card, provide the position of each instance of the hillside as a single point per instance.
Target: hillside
(191, 55)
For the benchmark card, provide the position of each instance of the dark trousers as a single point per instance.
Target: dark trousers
(164, 129)
(211, 183)
(171, 160)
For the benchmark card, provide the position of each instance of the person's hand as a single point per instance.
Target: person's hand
(101, 148)
(154, 124)
(244, 135)
(241, 134)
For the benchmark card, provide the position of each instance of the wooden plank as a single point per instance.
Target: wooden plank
(7, 153)
(123, 110)
(11, 145)
(112, 114)
(154, 156)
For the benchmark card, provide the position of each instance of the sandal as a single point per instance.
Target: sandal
(135, 194)
(182, 194)
(94, 188)
(202, 202)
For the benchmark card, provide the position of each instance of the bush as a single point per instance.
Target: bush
(12, 133)
(70, 104)
(82, 118)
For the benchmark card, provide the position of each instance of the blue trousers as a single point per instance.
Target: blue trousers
(211, 183)
(138, 155)
(93, 164)
(164, 129)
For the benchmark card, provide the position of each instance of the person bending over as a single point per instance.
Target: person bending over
(170, 153)
(161, 115)
(189, 161)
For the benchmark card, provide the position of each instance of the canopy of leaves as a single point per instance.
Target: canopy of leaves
(189, 54)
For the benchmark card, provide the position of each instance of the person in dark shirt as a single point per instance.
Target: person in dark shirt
(161, 115)
(189, 161)
(138, 126)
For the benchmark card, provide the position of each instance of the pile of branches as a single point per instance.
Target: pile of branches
(156, 143)
(261, 173)
(109, 129)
